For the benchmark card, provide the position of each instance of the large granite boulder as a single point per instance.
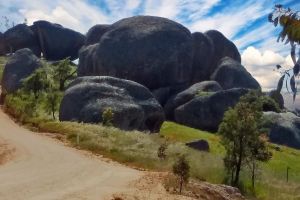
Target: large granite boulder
(203, 57)
(231, 74)
(284, 128)
(222, 48)
(133, 105)
(20, 65)
(206, 111)
(3, 49)
(198, 89)
(21, 36)
(57, 42)
(153, 51)
(95, 33)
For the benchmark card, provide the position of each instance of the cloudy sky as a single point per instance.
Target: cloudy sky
(242, 21)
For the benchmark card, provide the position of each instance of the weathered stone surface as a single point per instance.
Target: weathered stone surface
(203, 57)
(206, 112)
(231, 74)
(222, 48)
(133, 105)
(21, 36)
(3, 49)
(57, 42)
(95, 33)
(21, 65)
(284, 128)
(153, 51)
(201, 145)
(187, 95)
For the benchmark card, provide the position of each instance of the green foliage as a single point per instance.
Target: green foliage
(52, 102)
(269, 104)
(20, 105)
(107, 117)
(62, 72)
(3, 61)
(204, 94)
(161, 151)
(181, 169)
(290, 22)
(240, 135)
(37, 82)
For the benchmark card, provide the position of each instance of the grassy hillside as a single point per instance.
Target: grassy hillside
(140, 150)
(272, 178)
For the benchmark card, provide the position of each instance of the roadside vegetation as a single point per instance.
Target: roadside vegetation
(153, 151)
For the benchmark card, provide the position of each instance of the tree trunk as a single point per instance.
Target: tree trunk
(181, 184)
(53, 111)
(53, 115)
(253, 174)
(239, 164)
(62, 85)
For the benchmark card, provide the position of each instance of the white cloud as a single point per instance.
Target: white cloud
(231, 20)
(262, 64)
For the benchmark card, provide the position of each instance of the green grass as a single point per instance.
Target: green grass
(139, 150)
(3, 61)
(271, 183)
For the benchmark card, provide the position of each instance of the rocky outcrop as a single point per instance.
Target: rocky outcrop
(20, 65)
(231, 74)
(3, 49)
(133, 105)
(206, 112)
(200, 145)
(222, 48)
(57, 42)
(95, 33)
(284, 128)
(203, 57)
(21, 36)
(198, 89)
(153, 51)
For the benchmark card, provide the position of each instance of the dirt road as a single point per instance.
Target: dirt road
(43, 168)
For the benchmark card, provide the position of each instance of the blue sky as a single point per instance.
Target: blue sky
(242, 21)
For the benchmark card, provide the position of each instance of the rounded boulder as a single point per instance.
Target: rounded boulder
(57, 42)
(153, 51)
(133, 105)
(21, 36)
(19, 66)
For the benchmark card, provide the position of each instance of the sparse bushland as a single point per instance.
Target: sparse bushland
(140, 150)
(242, 138)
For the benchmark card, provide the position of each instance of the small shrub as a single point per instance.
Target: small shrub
(181, 169)
(107, 117)
(161, 152)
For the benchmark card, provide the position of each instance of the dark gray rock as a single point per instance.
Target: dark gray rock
(231, 74)
(222, 48)
(19, 66)
(57, 42)
(206, 112)
(203, 57)
(3, 49)
(200, 145)
(205, 87)
(21, 36)
(95, 33)
(277, 96)
(284, 128)
(153, 51)
(133, 105)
